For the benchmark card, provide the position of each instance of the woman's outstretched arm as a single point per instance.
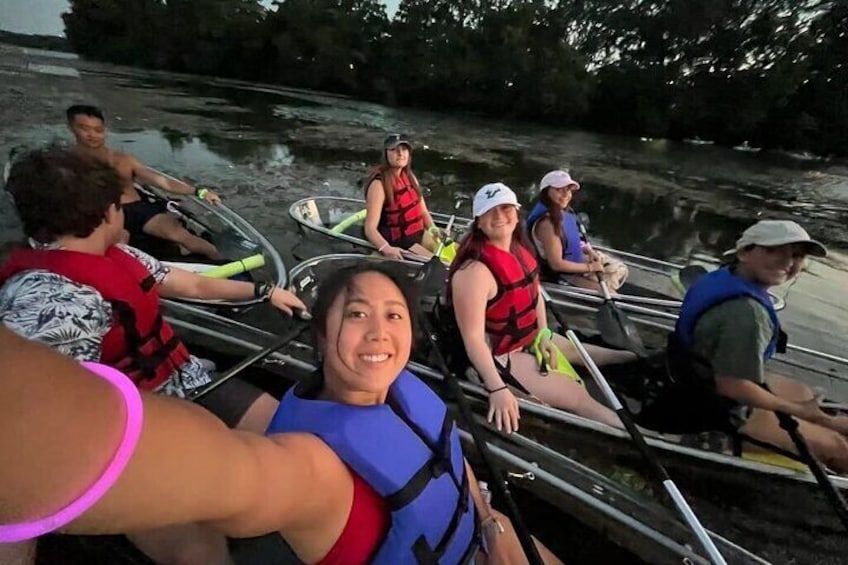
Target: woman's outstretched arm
(60, 426)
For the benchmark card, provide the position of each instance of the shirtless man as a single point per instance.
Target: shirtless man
(88, 125)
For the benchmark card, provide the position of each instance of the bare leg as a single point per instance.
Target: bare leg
(583, 282)
(829, 446)
(600, 355)
(512, 550)
(429, 242)
(799, 392)
(186, 544)
(22, 553)
(559, 391)
(789, 388)
(166, 226)
(258, 416)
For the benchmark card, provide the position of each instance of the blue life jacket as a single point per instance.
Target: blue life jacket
(571, 248)
(408, 451)
(713, 289)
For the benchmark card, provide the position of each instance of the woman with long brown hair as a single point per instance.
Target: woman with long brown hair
(555, 233)
(494, 288)
(396, 216)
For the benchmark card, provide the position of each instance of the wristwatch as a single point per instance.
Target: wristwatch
(263, 290)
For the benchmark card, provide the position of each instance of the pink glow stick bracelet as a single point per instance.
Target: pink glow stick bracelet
(10, 533)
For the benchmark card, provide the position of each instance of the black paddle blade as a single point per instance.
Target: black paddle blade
(432, 277)
(618, 330)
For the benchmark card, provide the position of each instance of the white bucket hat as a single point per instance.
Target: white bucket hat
(492, 195)
(772, 233)
(558, 179)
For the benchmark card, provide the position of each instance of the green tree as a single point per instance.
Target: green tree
(326, 44)
(120, 31)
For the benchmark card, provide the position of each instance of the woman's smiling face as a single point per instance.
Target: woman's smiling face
(400, 156)
(367, 341)
(561, 195)
(499, 222)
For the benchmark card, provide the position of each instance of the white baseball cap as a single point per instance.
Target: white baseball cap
(492, 195)
(558, 179)
(772, 233)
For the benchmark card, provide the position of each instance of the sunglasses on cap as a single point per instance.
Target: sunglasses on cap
(395, 139)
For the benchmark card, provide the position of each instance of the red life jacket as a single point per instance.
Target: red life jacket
(511, 321)
(139, 343)
(402, 218)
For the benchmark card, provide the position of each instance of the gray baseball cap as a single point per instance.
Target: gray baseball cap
(772, 233)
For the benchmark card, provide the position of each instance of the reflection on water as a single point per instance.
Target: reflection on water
(53, 70)
(701, 214)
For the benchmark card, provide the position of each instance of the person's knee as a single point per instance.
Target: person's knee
(832, 448)
(189, 544)
(22, 553)
(165, 226)
(258, 416)
(211, 549)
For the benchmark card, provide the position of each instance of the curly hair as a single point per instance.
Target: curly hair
(58, 192)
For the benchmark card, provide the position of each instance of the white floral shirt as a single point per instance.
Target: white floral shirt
(73, 318)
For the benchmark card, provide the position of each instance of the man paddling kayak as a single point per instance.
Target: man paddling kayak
(728, 330)
(88, 124)
(83, 294)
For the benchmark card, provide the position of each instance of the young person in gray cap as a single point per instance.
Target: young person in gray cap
(396, 216)
(728, 329)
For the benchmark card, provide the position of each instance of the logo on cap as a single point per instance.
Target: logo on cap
(490, 193)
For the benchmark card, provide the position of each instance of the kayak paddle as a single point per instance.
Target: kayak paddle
(653, 462)
(616, 328)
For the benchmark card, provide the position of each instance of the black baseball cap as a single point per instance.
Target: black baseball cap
(395, 139)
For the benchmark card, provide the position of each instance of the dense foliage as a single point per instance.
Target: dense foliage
(35, 41)
(769, 71)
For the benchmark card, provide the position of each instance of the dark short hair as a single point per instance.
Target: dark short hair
(341, 281)
(84, 110)
(58, 192)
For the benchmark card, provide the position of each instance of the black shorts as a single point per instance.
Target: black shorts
(407, 241)
(231, 400)
(137, 214)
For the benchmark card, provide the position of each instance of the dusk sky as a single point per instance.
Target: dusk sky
(43, 16)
